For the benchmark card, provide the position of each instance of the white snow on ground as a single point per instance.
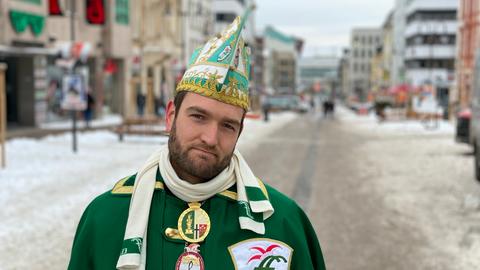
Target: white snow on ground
(400, 127)
(106, 120)
(427, 181)
(46, 187)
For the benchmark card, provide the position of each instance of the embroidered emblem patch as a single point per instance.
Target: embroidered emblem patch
(261, 254)
(224, 53)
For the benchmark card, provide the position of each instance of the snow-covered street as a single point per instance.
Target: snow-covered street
(421, 183)
(427, 183)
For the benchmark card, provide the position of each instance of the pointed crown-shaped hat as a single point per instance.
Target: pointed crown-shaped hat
(220, 69)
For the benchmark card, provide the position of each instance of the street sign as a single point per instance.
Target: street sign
(74, 93)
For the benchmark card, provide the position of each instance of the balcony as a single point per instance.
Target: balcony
(432, 5)
(430, 52)
(431, 27)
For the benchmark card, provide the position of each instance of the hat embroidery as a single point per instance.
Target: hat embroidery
(220, 70)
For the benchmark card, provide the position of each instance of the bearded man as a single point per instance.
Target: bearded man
(195, 203)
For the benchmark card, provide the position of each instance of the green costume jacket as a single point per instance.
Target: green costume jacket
(289, 241)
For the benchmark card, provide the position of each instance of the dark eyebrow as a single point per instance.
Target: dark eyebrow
(196, 109)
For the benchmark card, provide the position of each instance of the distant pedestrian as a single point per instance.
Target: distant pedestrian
(266, 109)
(325, 107)
(332, 107)
(140, 103)
(328, 108)
(88, 113)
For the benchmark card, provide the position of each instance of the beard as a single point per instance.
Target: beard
(203, 170)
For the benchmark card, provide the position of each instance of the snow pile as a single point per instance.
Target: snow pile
(414, 127)
(46, 187)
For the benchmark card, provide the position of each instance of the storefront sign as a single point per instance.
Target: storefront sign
(21, 20)
(95, 11)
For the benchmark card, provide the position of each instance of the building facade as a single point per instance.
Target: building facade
(157, 46)
(430, 37)
(197, 26)
(43, 41)
(280, 62)
(344, 75)
(363, 45)
(319, 74)
(468, 42)
(382, 61)
(257, 83)
(225, 11)
(398, 35)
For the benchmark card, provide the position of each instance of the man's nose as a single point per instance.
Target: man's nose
(210, 135)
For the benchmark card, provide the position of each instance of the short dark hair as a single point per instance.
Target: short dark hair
(178, 100)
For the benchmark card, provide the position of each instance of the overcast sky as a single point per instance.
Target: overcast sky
(324, 25)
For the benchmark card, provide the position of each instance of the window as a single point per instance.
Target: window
(225, 17)
(122, 12)
(167, 7)
(199, 9)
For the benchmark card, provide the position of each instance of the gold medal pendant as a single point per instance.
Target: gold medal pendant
(190, 259)
(194, 224)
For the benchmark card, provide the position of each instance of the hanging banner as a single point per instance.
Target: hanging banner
(54, 8)
(95, 12)
(21, 20)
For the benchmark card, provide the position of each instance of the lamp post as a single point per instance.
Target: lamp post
(72, 71)
(3, 114)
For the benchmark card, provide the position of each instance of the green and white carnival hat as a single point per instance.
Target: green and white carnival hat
(220, 69)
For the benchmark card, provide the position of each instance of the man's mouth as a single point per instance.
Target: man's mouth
(205, 151)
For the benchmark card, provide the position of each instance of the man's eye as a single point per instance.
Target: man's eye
(197, 116)
(229, 127)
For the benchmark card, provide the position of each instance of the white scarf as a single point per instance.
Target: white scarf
(253, 204)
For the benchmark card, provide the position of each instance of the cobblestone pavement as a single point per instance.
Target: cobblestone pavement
(377, 200)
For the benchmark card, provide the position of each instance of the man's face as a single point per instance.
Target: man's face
(202, 136)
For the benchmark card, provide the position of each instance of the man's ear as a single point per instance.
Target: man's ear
(170, 115)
